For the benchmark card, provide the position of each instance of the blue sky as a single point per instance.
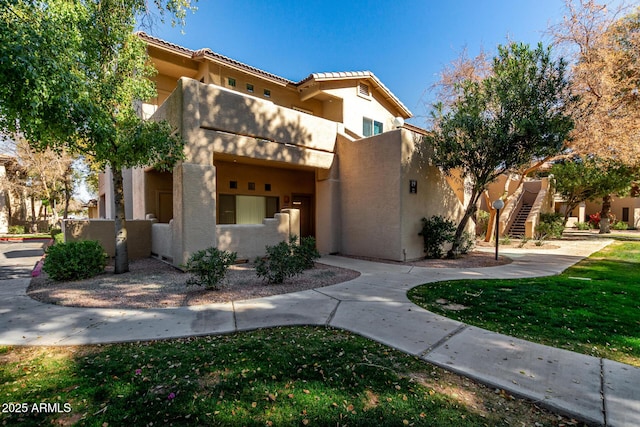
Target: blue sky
(405, 43)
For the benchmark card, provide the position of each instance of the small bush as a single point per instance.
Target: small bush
(75, 260)
(286, 260)
(306, 252)
(17, 229)
(551, 225)
(57, 236)
(467, 243)
(583, 225)
(620, 225)
(209, 267)
(505, 240)
(436, 231)
(523, 242)
(482, 222)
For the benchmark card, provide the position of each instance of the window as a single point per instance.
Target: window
(231, 82)
(238, 209)
(252, 186)
(625, 214)
(371, 127)
(233, 184)
(249, 88)
(267, 93)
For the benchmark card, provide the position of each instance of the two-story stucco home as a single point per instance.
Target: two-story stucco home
(261, 150)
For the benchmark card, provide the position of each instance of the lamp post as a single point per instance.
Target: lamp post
(497, 205)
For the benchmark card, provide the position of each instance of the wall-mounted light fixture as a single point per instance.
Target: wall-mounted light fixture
(413, 186)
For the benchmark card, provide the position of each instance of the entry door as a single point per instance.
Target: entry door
(305, 204)
(165, 206)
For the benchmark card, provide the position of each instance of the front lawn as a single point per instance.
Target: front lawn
(274, 377)
(592, 308)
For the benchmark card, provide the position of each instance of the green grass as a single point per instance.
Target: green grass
(27, 236)
(592, 308)
(279, 377)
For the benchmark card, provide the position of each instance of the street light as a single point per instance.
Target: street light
(497, 205)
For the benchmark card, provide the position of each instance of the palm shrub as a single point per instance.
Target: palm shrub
(75, 260)
(436, 231)
(209, 267)
(287, 259)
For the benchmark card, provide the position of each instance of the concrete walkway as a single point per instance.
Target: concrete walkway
(374, 305)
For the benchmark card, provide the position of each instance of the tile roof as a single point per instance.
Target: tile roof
(342, 75)
(208, 53)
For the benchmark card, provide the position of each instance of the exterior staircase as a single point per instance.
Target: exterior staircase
(517, 228)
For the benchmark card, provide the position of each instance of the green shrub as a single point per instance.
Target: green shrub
(583, 225)
(17, 229)
(306, 252)
(620, 225)
(505, 240)
(435, 232)
(467, 243)
(551, 226)
(286, 260)
(75, 260)
(57, 236)
(482, 222)
(209, 267)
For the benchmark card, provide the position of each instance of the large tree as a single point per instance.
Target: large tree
(71, 74)
(581, 179)
(516, 114)
(604, 43)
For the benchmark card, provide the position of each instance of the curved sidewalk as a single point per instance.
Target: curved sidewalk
(374, 305)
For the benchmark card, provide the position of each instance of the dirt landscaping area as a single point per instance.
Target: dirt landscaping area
(151, 283)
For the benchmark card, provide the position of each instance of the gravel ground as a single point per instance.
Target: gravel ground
(151, 283)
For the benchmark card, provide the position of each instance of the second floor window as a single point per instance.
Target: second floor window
(371, 127)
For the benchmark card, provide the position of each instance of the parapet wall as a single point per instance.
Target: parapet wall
(103, 230)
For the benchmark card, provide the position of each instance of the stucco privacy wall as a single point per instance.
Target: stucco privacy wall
(380, 216)
(103, 230)
(370, 196)
(434, 196)
(249, 240)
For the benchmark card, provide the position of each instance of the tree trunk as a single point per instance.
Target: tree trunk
(34, 219)
(604, 214)
(122, 255)
(67, 195)
(468, 213)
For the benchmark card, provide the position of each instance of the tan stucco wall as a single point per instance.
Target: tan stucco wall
(434, 196)
(154, 182)
(194, 210)
(379, 216)
(250, 240)
(103, 230)
(284, 182)
(328, 209)
(370, 180)
(355, 107)
(172, 67)
(244, 115)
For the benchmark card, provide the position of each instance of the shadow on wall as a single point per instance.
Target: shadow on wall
(103, 230)
(236, 124)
